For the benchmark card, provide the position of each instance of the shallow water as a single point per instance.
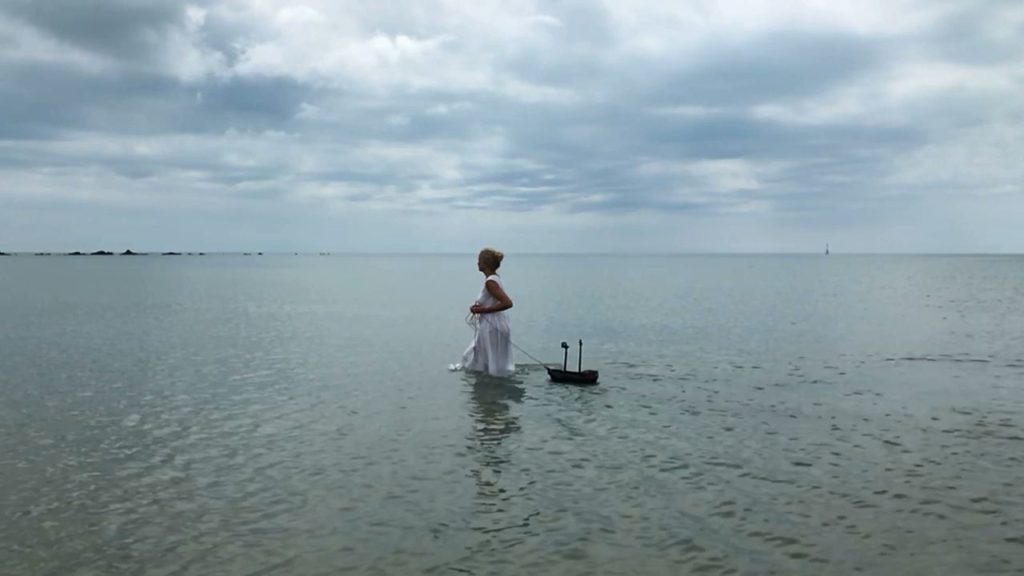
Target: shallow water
(295, 415)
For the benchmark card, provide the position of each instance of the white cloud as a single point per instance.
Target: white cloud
(688, 111)
(928, 78)
(724, 175)
(457, 48)
(980, 161)
(684, 29)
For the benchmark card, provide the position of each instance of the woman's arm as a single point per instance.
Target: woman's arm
(504, 302)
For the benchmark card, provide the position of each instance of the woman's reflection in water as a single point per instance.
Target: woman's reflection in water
(493, 422)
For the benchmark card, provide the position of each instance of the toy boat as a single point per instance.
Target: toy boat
(580, 376)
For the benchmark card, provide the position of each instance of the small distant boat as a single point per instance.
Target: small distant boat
(565, 376)
(826, 249)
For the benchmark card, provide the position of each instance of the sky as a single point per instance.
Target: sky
(622, 126)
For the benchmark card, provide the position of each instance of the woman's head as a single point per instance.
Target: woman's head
(489, 259)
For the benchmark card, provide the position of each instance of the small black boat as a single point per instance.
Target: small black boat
(584, 378)
(564, 376)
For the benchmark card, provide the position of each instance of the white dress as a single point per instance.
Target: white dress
(491, 349)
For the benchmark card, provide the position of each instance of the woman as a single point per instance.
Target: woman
(491, 350)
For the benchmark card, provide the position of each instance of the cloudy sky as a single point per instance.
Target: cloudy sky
(557, 126)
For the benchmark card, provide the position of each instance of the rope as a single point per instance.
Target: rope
(529, 355)
(473, 321)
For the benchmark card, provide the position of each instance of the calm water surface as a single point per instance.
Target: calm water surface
(294, 415)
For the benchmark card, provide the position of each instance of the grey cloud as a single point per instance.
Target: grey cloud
(262, 103)
(46, 99)
(123, 29)
(768, 68)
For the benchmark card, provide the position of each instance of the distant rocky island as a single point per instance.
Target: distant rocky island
(128, 252)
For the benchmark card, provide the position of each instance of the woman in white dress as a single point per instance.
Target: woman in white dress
(491, 350)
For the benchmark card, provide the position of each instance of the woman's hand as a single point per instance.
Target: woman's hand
(476, 309)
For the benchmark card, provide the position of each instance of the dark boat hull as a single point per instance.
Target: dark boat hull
(584, 378)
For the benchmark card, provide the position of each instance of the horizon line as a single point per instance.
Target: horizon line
(472, 253)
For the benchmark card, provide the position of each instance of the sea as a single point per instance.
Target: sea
(295, 414)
